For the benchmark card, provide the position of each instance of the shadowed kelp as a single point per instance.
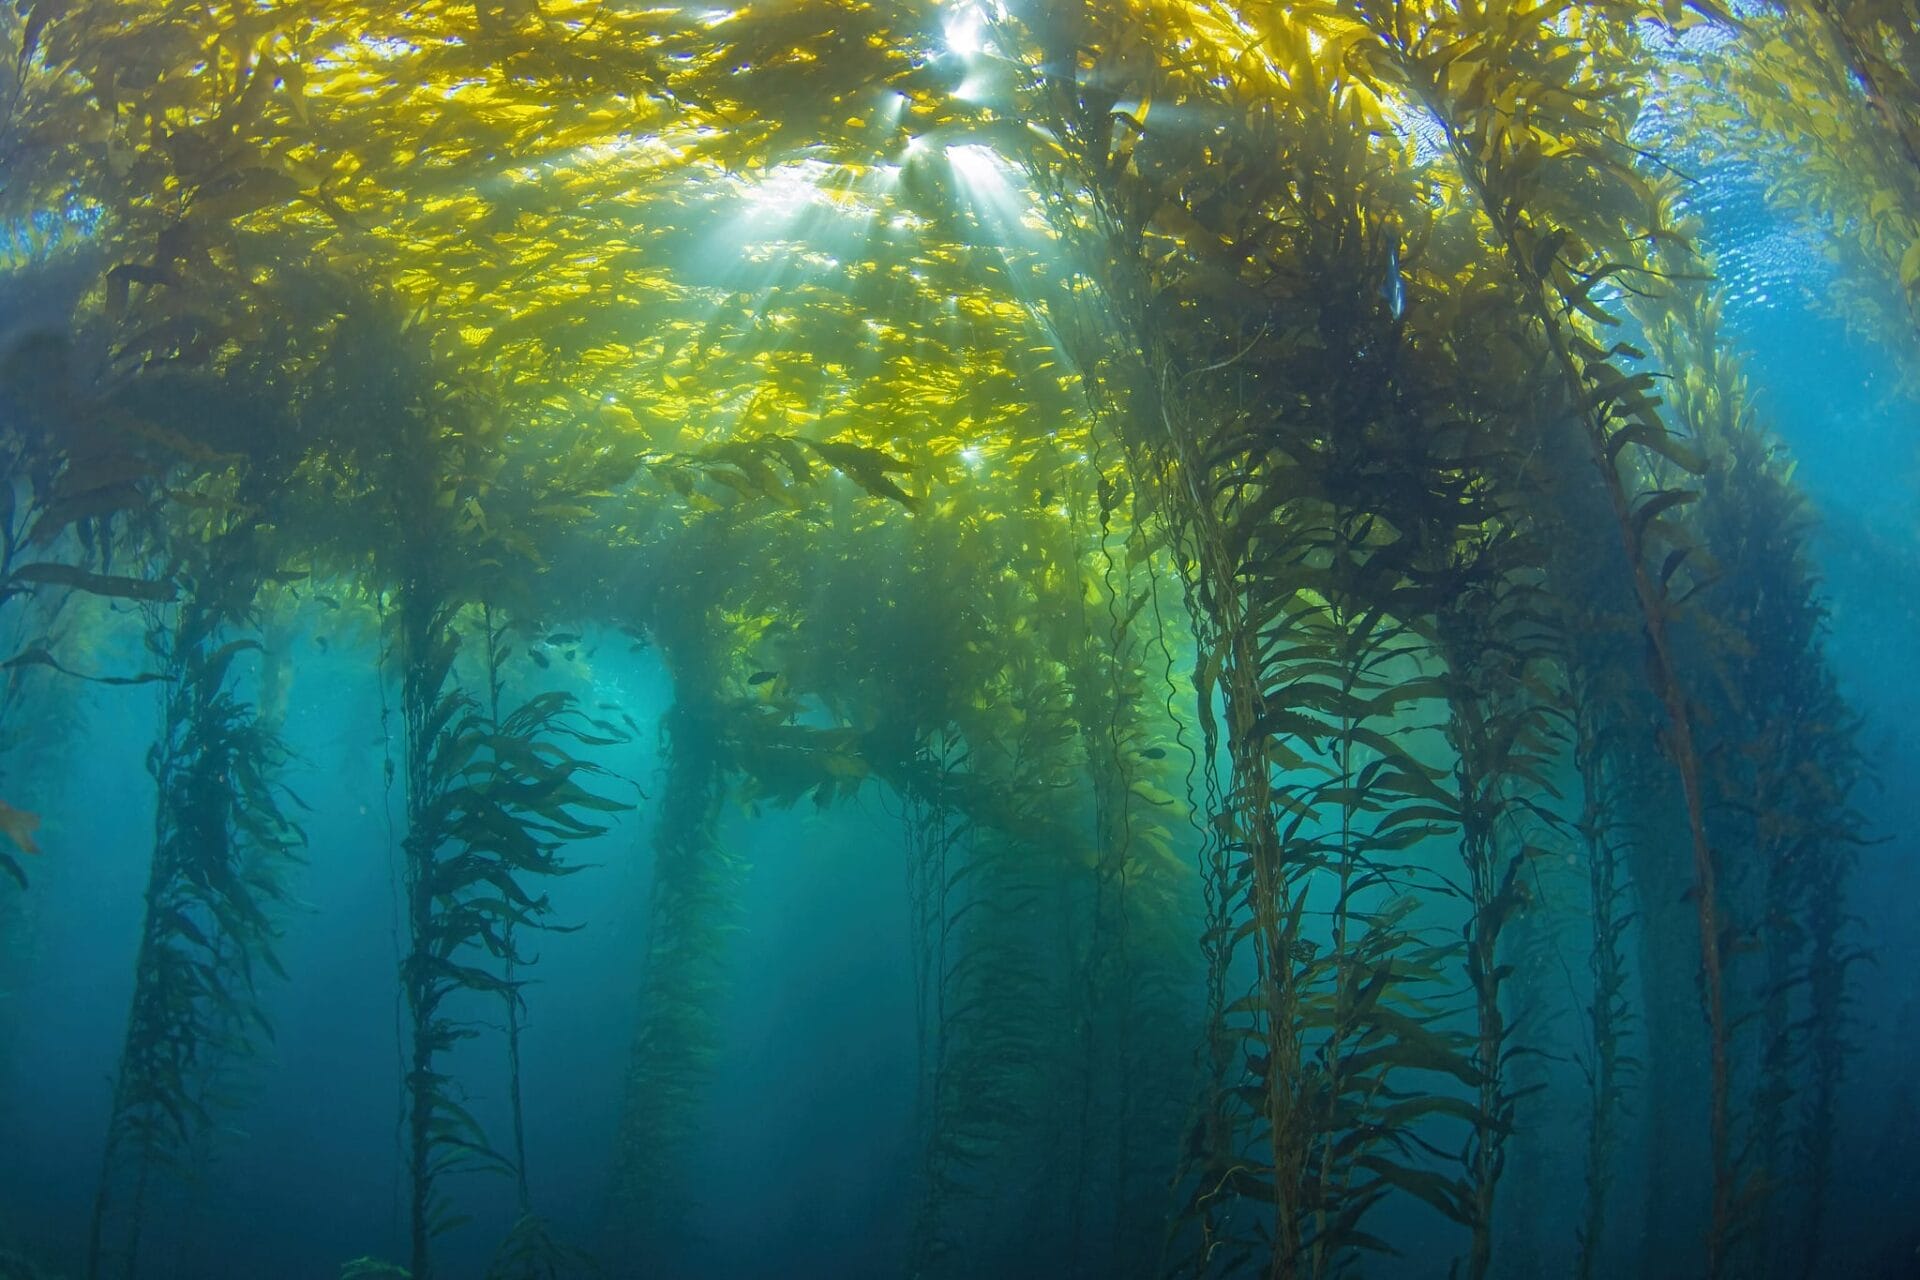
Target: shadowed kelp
(490, 799)
(221, 847)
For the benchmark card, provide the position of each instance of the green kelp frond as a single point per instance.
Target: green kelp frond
(370, 1268)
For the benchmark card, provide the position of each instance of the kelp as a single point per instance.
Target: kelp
(1503, 727)
(1817, 98)
(222, 842)
(491, 800)
(1596, 726)
(490, 803)
(959, 348)
(1783, 771)
(1136, 979)
(1562, 253)
(683, 970)
(1275, 471)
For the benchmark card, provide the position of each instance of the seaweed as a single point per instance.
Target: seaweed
(1782, 777)
(1064, 341)
(1597, 720)
(491, 800)
(222, 843)
(677, 1037)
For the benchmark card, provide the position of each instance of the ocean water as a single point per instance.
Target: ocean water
(649, 648)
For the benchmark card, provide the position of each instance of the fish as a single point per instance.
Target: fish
(760, 677)
(1393, 290)
(539, 659)
(563, 637)
(1155, 753)
(19, 826)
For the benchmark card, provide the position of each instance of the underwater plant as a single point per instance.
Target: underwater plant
(690, 913)
(75, 470)
(222, 846)
(1817, 99)
(1245, 485)
(1597, 731)
(1782, 778)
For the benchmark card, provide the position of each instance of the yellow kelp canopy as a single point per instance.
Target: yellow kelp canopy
(687, 225)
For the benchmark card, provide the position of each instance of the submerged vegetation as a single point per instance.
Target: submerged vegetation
(1259, 494)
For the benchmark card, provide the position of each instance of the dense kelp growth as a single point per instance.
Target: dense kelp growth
(1260, 497)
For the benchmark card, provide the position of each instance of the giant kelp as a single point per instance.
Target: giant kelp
(223, 842)
(1782, 779)
(490, 798)
(926, 384)
(1818, 100)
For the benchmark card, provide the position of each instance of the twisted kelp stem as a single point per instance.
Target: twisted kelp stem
(1135, 973)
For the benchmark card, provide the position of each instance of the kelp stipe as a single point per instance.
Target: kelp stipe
(1503, 726)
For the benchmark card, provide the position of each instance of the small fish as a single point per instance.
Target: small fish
(320, 643)
(563, 637)
(569, 654)
(1155, 753)
(760, 677)
(539, 659)
(328, 601)
(19, 826)
(1393, 290)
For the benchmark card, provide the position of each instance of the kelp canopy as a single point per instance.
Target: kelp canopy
(1259, 495)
